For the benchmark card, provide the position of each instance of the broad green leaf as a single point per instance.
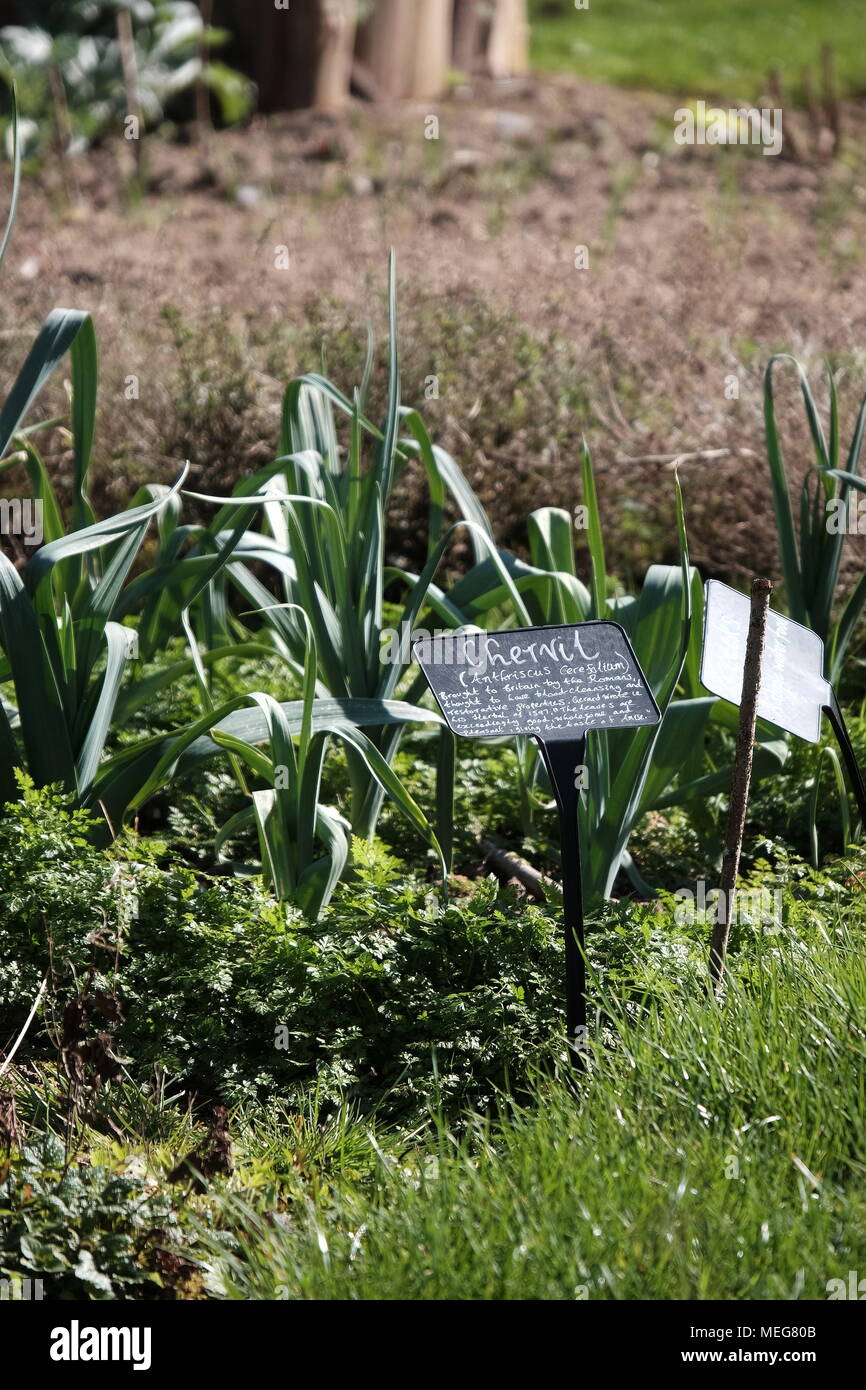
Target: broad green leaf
(53, 341)
(40, 706)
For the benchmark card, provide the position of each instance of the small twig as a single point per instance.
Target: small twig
(21, 1036)
(62, 125)
(761, 590)
(816, 119)
(614, 400)
(479, 454)
(129, 68)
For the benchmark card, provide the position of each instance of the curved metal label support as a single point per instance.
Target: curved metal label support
(834, 714)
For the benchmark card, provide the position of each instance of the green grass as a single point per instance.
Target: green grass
(714, 49)
(710, 1152)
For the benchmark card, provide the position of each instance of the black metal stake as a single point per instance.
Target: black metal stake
(834, 714)
(564, 759)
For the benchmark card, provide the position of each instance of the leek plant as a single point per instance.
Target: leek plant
(53, 653)
(811, 561)
(64, 648)
(57, 621)
(288, 813)
(325, 514)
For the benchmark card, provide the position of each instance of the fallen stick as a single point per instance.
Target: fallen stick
(536, 885)
(761, 590)
(698, 455)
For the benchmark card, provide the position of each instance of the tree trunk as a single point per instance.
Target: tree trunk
(432, 47)
(468, 32)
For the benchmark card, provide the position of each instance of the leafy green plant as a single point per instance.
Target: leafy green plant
(85, 1231)
(221, 986)
(391, 1001)
(63, 900)
(75, 74)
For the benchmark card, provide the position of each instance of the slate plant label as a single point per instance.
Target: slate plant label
(793, 693)
(553, 682)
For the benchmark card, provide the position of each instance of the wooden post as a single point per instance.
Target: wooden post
(777, 97)
(432, 56)
(129, 68)
(508, 45)
(336, 46)
(761, 590)
(816, 119)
